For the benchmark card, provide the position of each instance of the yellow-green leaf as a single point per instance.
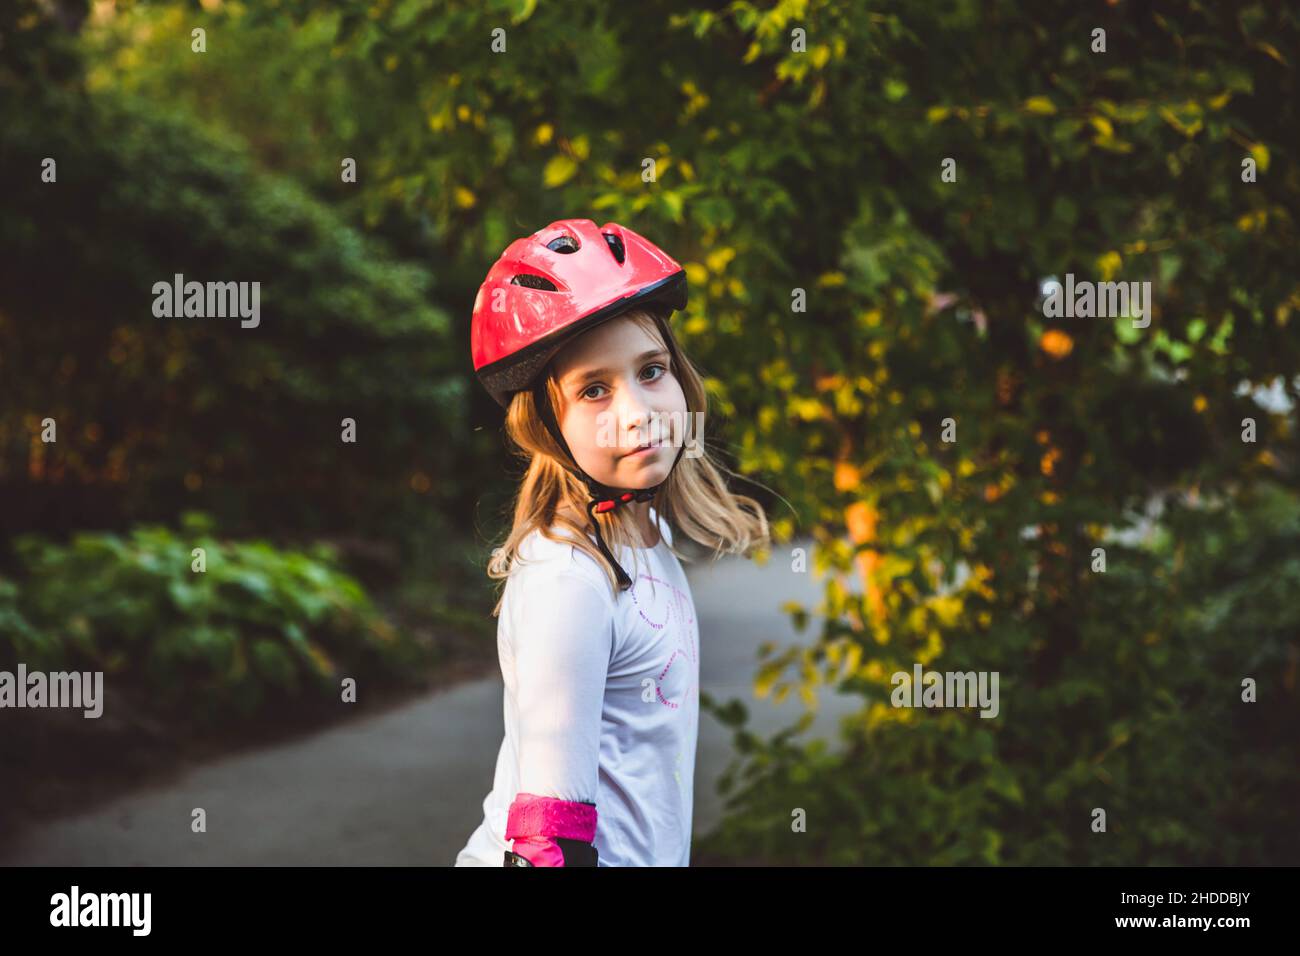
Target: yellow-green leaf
(523, 10)
(1260, 152)
(1109, 264)
(558, 171)
(1102, 126)
(718, 259)
(1271, 50)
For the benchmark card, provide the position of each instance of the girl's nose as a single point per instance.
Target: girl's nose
(637, 414)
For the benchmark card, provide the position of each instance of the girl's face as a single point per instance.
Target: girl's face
(620, 396)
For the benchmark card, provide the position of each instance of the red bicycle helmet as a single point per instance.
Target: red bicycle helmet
(552, 286)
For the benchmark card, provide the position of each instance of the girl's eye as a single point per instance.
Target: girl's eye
(586, 392)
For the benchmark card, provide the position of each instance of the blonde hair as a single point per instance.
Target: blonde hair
(694, 498)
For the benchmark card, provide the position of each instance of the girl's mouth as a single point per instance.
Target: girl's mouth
(642, 451)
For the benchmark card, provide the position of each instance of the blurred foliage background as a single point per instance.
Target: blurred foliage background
(775, 171)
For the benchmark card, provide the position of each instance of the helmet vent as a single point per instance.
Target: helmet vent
(615, 246)
(534, 282)
(564, 244)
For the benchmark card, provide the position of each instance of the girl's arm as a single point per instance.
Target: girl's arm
(564, 639)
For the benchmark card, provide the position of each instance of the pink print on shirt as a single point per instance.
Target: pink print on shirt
(679, 611)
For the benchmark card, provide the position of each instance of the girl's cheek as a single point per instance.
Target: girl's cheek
(593, 429)
(679, 397)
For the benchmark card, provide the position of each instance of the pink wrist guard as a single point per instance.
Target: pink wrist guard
(536, 825)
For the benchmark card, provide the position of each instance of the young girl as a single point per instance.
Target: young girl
(597, 636)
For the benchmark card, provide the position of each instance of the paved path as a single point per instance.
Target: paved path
(406, 787)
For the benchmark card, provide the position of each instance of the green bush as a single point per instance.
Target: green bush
(256, 624)
(160, 415)
(1144, 719)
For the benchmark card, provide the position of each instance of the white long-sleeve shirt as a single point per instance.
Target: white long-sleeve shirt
(601, 700)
